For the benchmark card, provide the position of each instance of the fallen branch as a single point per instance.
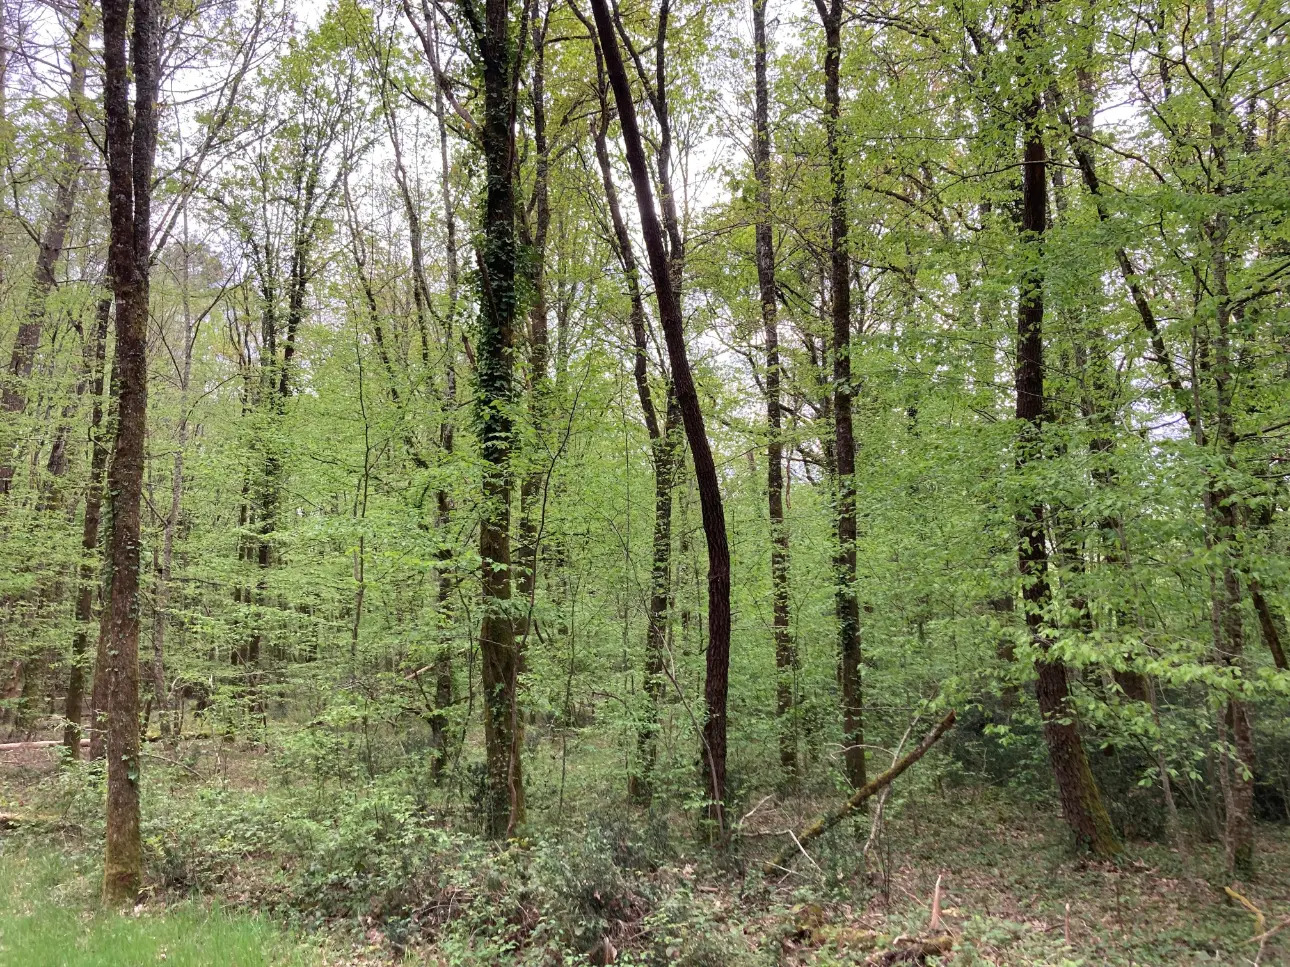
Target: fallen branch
(826, 822)
(1260, 921)
(1263, 938)
(875, 825)
(1269, 934)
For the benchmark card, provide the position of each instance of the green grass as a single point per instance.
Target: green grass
(49, 917)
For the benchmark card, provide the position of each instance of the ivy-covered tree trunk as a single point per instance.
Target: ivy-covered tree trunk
(785, 651)
(717, 671)
(131, 146)
(498, 300)
(1077, 790)
(844, 447)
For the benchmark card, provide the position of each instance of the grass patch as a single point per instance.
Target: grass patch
(49, 917)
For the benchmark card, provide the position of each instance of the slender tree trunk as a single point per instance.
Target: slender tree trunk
(131, 146)
(443, 502)
(1099, 407)
(1077, 790)
(1224, 538)
(99, 685)
(844, 450)
(785, 651)
(717, 677)
(1222, 501)
(87, 570)
(1271, 624)
(665, 455)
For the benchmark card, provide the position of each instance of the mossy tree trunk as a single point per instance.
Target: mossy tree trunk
(131, 140)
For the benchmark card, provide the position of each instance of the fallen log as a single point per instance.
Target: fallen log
(826, 822)
(36, 744)
(50, 743)
(11, 821)
(916, 952)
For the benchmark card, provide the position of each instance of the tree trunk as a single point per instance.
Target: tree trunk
(785, 650)
(131, 146)
(1222, 503)
(665, 454)
(1076, 788)
(496, 395)
(717, 672)
(443, 503)
(1271, 624)
(844, 450)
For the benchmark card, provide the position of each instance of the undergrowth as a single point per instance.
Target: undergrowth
(390, 869)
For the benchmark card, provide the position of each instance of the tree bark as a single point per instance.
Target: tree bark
(131, 147)
(1077, 790)
(665, 453)
(443, 502)
(785, 650)
(1271, 624)
(717, 672)
(1222, 501)
(844, 450)
(497, 255)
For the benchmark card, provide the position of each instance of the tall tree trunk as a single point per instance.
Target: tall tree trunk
(13, 395)
(443, 502)
(1076, 788)
(785, 651)
(1099, 407)
(496, 396)
(844, 450)
(131, 147)
(1222, 502)
(87, 570)
(717, 672)
(665, 454)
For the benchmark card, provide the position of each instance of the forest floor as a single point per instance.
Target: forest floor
(386, 888)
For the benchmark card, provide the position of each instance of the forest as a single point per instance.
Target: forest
(713, 482)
